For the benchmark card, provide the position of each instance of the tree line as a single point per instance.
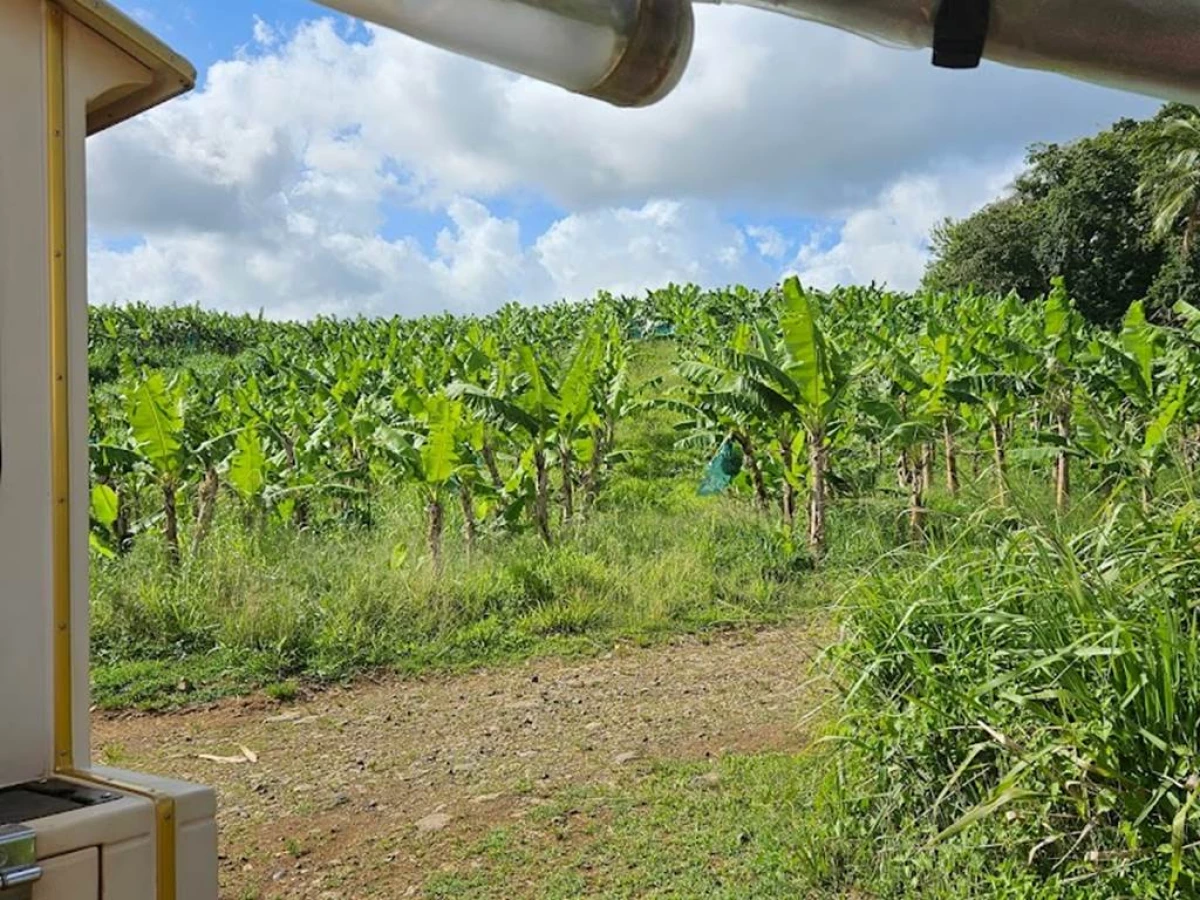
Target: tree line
(1116, 215)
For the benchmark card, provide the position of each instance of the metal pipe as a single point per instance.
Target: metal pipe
(626, 52)
(1149, 46)
(633, 52)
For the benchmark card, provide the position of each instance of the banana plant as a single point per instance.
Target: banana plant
(1148, 394)
(249, 471)
(428, 448)
(614, 399)
(996, 379)
(547, 417)
(1062, 327)
(572, 411)
(910, 412)
(514, 404)
(156, 424)
(716, 409)
(114, 466)
(817, 377)
(797, 376)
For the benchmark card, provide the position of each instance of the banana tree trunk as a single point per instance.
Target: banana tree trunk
(541, 500)
(1062, 465)
(1191, 447)
(750, 459)
(916, 505)
(123, 527)
(206, 508)
(1147, 486)
(435, 515)
(816, 499)
(998, 450)
(489, 460)
(926, 466)
(591, 479)
(171, 523)
(300, 513)
(951, 457)
(470, 523)
(121, 531)
(300, 510)
(567, 462)
(788, 501)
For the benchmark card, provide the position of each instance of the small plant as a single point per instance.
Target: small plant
(283, 691)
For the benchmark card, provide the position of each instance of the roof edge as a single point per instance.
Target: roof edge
(172, 73)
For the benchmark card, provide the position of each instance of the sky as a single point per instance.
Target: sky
(323, 167)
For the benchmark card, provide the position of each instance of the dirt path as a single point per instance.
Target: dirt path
(354, 792)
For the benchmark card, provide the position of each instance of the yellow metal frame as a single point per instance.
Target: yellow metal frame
(56, 165)
(60, 409)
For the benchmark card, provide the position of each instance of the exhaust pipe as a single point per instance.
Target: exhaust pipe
(633, 52)
(625, 52)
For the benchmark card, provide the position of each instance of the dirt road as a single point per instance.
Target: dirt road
(354, 792)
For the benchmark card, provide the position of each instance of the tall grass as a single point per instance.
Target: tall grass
(1034, 692)
(265, 604)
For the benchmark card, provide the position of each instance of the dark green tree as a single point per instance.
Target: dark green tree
(1171, 187)
(994, 250)
(1094, 230)
(1075, 212)
(1171, 175)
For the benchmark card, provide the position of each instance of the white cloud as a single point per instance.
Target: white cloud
(887, 241)
(477, 264)
(771, 243)
(264, 33)
(270, 186)
(629, 250)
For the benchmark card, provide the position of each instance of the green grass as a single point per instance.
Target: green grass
(259, 609)
(766, 826)
(1041, 685)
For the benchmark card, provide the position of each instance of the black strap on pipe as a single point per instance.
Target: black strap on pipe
(960, 33)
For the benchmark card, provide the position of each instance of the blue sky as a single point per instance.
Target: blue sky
(206, 32)
(324, 166)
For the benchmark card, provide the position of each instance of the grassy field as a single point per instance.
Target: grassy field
(1019, 710)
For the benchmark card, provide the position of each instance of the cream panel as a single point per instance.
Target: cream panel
(75, 876)
(127, 870)
(25, 702)
(196, 854)
(93, 67)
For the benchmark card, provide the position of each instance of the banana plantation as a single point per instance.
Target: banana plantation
(795, 399)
